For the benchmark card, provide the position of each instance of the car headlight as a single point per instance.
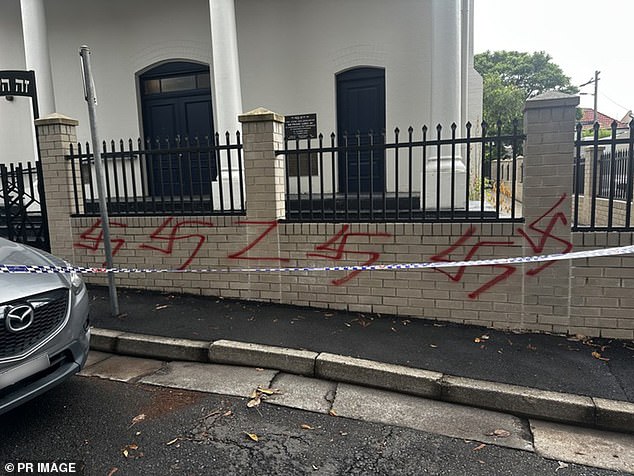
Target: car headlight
(76, 281)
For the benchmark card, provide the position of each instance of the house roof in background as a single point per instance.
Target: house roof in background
(605, 121)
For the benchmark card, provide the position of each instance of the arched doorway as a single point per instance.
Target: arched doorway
(176, 105)
(361, 109)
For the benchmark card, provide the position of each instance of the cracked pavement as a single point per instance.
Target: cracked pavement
(116, 424)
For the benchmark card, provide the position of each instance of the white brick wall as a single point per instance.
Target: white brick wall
(589, 297)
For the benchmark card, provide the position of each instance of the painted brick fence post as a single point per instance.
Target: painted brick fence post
(55, 134)
(549, 124)
(262, 135)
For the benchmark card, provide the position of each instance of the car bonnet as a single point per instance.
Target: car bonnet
(19, 285)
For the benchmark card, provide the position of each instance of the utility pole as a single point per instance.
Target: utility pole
(596, 90)
(594, 80)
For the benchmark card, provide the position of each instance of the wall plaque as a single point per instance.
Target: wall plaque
(301, 126)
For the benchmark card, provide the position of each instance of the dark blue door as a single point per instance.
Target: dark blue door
(360, 126)
(177, 112)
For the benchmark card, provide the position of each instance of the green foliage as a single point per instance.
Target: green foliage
(511, 77)
(602, 133)
(501, 101)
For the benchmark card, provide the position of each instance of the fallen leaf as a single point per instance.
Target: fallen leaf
(598, 356)
(112, 471)
(562, 465)
(227, 413)
(501, 433)
(331, 412)
(254, 402)
(484, 337)
(477, 340)
(306, 427)
(478, 448)
(269, 391)
(253, 436)
(137, 419)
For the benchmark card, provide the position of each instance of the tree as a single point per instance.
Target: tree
(511, 77)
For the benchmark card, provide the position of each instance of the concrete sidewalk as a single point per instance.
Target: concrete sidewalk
(571, 380)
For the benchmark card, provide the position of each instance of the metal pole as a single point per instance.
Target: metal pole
(596, 89)
(91, 99)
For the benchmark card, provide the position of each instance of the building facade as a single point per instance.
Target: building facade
(168, 69)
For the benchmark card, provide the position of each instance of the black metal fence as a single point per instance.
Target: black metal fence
(182, 177)
(23, 205)
(613, 174)
(428, 176)
(607, 204)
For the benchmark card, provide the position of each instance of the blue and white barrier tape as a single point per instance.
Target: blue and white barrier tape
(37, 269)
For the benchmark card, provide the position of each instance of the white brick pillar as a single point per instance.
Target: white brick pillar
(262, 132)
(55, 134)
(549, 124)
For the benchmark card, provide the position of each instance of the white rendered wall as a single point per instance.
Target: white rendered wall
(126, 37)
(291, 50)
(16, 123)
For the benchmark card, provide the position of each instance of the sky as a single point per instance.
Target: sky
(581, 36)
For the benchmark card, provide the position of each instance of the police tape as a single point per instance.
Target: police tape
(39, 269)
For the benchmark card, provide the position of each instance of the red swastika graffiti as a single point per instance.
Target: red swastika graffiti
(96, 240)
(546, 234)
(173, 235)
(271, 225)
(340, 251)
(508, 269)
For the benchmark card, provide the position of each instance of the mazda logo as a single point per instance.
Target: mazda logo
(19, 318)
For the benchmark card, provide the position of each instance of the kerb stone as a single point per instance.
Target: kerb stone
(377, 374)
(523, 401)
(164, 348)
(295, 361)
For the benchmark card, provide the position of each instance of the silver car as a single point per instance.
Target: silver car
(44, 328)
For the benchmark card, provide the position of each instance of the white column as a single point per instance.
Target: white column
(227, 93)
(36, 52)
(446, 59)
(226, 69)
(446, 95)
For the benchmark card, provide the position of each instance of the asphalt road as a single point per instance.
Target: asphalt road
(92, 421)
